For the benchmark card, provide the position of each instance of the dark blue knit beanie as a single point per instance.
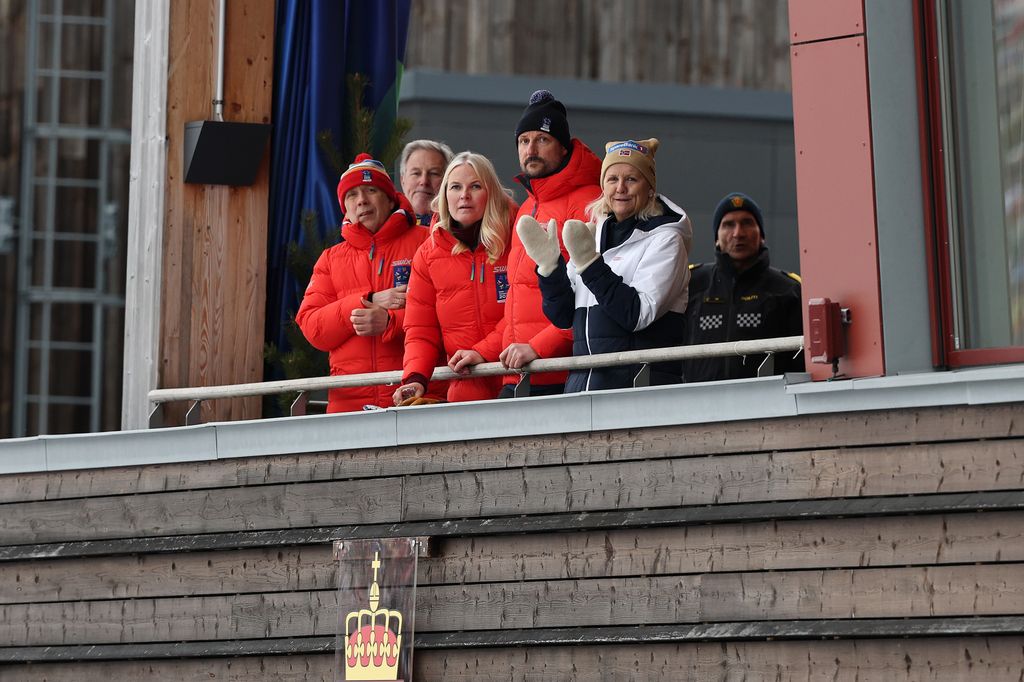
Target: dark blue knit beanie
(737, 201)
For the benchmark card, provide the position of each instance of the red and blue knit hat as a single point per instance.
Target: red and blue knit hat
(365, 170)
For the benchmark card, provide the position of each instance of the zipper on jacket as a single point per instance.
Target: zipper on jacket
(478, 291)
(586, 335)
(729, 322)
(374, 340)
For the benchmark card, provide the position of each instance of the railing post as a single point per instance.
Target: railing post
(299, 405)
(767, 366)
(522, 389)
(156, 416)
(193, 416)
(643, 377)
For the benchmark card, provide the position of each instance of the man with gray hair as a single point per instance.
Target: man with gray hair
(420, 170)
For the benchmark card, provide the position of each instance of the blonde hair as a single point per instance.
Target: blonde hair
(600, 208)
(495, 228)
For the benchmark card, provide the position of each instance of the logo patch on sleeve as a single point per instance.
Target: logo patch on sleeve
(400, 272)
(500, 285)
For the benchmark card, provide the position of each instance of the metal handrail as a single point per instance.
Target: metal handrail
(197, 394)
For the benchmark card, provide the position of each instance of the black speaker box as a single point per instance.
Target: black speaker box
(224, 152)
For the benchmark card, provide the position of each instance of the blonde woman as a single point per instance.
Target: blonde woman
(458, 286)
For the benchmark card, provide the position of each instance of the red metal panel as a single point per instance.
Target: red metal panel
(811, 20)
(836, 194)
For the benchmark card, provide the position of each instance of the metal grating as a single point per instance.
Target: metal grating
(68, 222)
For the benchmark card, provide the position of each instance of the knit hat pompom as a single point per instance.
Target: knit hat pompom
(365, 170)
(547, 114)
(737, 201)
(540, 96)
(637, 153)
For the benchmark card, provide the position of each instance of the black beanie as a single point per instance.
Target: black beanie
(545, 113)
(737, 201)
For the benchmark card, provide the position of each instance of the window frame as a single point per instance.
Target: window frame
(936, 168)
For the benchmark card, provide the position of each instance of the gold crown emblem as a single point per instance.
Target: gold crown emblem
(373, 638)
(737, 202)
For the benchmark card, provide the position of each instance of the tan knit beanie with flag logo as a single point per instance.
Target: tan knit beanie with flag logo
(637, 153)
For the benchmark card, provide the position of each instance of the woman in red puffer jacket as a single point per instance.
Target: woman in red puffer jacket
(459, 282)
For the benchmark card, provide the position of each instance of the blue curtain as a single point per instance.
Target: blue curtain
(317, 44)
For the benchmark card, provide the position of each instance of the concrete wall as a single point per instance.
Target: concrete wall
(714, 141)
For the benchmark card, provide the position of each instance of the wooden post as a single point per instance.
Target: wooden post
(214, 243)
(146, 187)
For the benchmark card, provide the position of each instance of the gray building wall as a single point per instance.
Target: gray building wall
(713, 141)
(899, 212)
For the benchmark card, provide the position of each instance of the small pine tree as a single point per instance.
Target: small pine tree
(301, 359)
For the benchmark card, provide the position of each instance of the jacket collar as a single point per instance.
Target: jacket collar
(396, 225)
(760, 264)
(361, 238)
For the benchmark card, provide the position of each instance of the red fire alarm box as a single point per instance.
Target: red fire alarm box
(826, 335)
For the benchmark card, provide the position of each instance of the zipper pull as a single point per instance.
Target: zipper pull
(373, 250)
(472, 271)
(380, 267)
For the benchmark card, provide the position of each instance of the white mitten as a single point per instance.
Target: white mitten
(541, 244)
(579, 240)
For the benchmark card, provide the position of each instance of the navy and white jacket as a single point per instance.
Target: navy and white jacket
(632, 297)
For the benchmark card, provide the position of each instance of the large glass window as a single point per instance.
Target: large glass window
(980, 56)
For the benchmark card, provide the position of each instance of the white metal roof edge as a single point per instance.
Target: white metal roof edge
(717, 402)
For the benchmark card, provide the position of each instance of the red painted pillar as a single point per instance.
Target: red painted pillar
(835, 173)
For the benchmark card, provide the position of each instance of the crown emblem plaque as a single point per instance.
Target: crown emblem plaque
(376, 600)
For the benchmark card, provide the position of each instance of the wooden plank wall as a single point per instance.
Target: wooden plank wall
(215, 237)
(721, 43)
(870, 546)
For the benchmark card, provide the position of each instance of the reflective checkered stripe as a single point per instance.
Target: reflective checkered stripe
(748, 320)
(708, 322)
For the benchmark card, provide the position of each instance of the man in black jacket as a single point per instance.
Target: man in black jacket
(741, 297)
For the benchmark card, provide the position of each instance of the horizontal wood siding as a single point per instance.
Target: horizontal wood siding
(824, 432)
(590, 487)
(732, 547)
(678, 552)
(912, 660)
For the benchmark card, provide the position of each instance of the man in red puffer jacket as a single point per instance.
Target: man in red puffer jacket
(354, 306)
(560, 175)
